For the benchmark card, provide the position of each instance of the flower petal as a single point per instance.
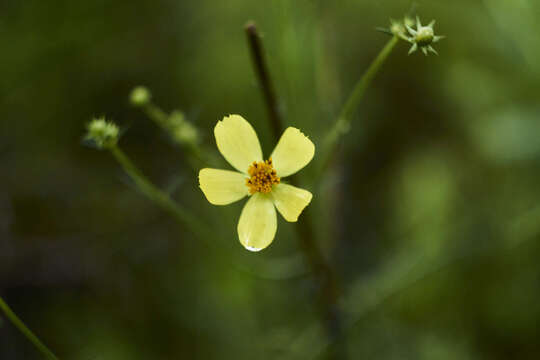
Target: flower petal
(222, 187)
(258, 222)
(290, 200)
(293, 151)
(237, 142)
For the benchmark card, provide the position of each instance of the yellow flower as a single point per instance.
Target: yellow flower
(260, 180)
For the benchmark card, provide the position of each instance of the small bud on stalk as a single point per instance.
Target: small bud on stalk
(397, 28)
(182, 130)
(104, 134)
(140, 96)
(423, 37)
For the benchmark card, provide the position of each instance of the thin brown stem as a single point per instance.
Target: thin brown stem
(263, 76)
(323, 273)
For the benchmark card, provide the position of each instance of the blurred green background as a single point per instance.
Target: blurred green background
(430, 217)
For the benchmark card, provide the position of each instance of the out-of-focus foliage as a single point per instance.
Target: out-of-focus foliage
(430, 217)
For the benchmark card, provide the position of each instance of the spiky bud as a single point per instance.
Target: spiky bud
(423, 37)
(104, 134)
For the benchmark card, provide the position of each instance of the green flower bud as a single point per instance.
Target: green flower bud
(104, 134)
(182, 130)
(140, 96)
(423, 37)
(397, 28)
(408, 21)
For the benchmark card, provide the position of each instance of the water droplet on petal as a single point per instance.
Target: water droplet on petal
(251, 248)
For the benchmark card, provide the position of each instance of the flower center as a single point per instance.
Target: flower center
(262, 177)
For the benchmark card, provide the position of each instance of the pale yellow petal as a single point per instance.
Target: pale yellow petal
(290, 200)
(293, 151)
(258, 222)
(222, 187)
(237, 142)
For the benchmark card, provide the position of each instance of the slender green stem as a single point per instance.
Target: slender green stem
(157, 115)
(343, 121)
(48, 354)
(158, 196)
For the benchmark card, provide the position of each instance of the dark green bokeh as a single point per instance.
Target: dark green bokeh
(430, 217)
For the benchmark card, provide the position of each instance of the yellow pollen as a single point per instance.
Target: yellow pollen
(262, 177)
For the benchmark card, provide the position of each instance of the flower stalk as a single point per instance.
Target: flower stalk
(343, 121)
(156, 195)
(304, 227)
(263, 75)
(19, 324)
